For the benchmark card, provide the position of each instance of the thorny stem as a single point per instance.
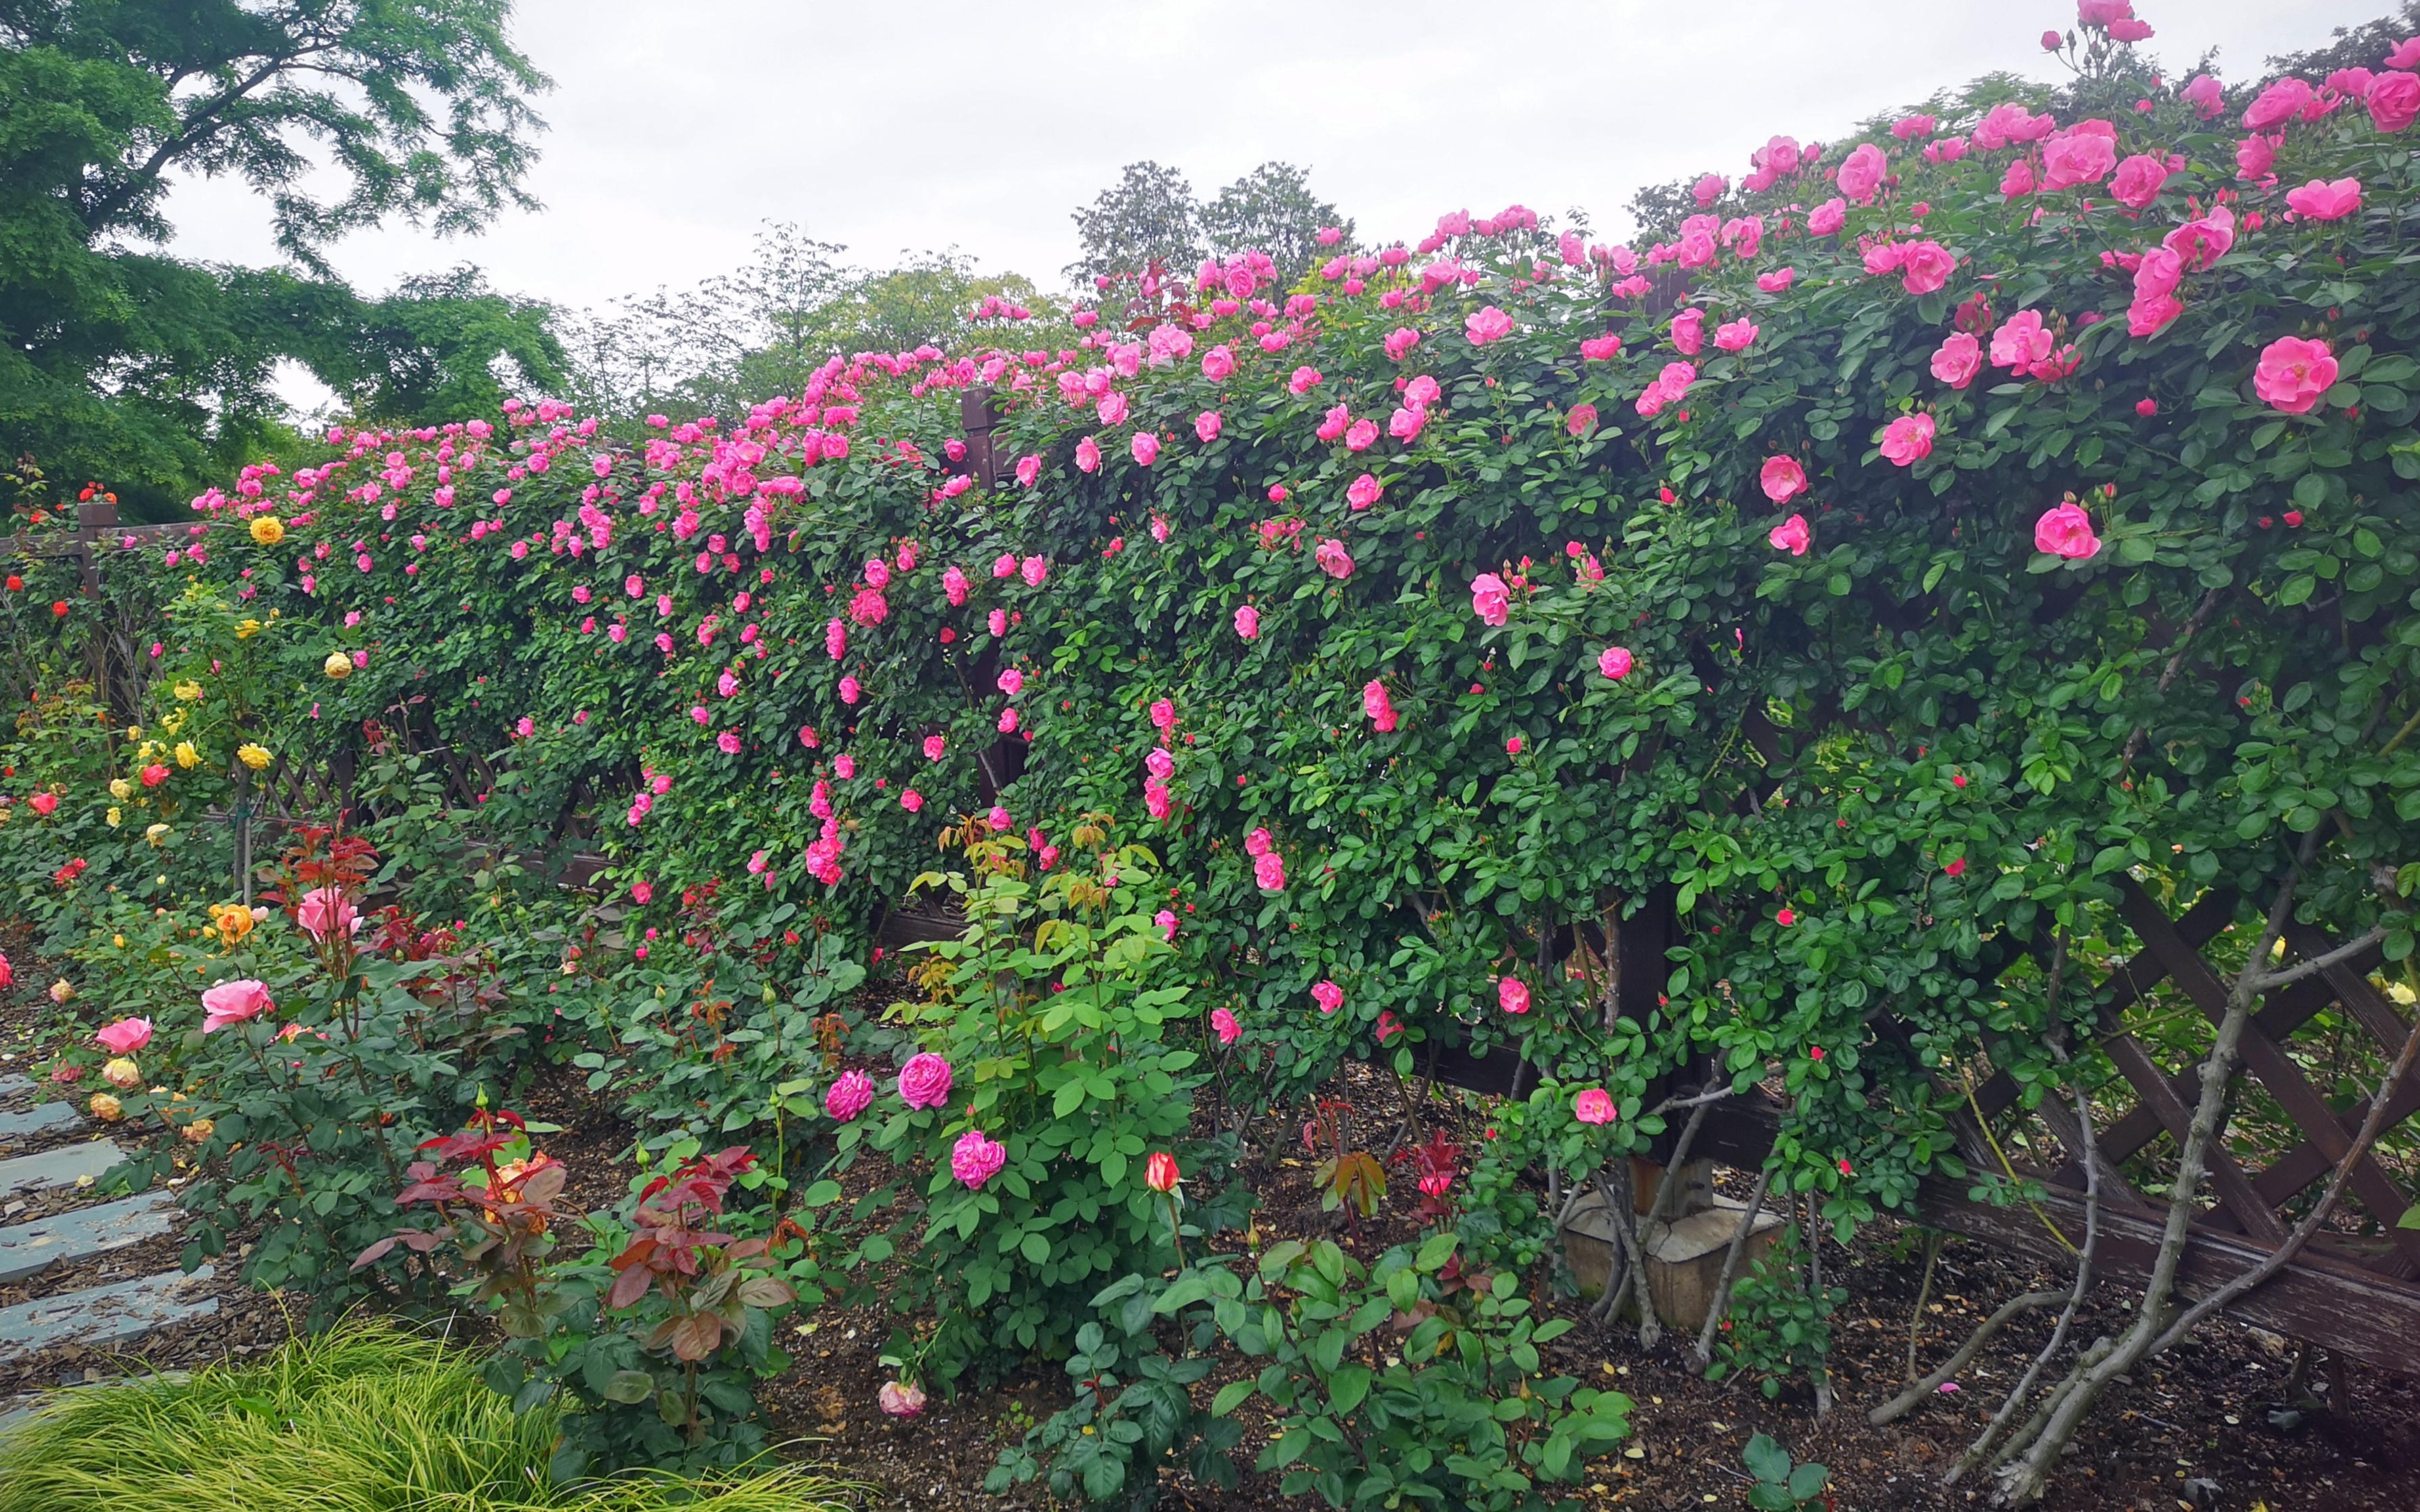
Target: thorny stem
(1722, 1301)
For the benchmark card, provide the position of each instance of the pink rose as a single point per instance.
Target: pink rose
(44, 803)
(1247, 623)
(126, 1035)
(2138, 180)
(1145, 447)
(231, 1003)
(326, 910)
(1490, 599)
(2279, 103)
(2074, 158)
(1735, 335)
(1615, 661)
(1960, 358)
(1861, 173)
(1689, 332)
(2066, 530)
(1925, 267)
(1593, 1106)
(1219, 365)
(2203, 240)
(1488, 324)
(1827, 218)
(924, 1081)
(1598, 348)
(1789, 536)
(1908, 439)
(2295, 373)
(975, 1160)
(1512, 993)
(1583, 418)
(1782, 478)
(2256, 157)
(1363, 491)
(2394, 101)
(1333, 560)
(1269, 872)
(1207, 424)
(1223, 1024)
(1028, 469)
(1329, 996)
(848, 1096)
(897, 1398)
(2319, 200)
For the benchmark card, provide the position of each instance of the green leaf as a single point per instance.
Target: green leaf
(1347, 1387)
(1232, 1395)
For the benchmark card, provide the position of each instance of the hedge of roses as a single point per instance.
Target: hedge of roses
(1934, 526)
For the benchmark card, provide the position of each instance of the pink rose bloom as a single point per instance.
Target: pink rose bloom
(1145, 447)
(1088, 456)
(1490, 599)
(1861, 173)
(232, 1002)
(1166, 919)
(1689, 332)
(1223, 1024)
(2394, 101)
(2295, 373)
(897, 1398)
(325, 910)
(1219, 364)
(2158, 274)
(1925, 267)
(2277, 104)
(2319, 200)
(975, 1160)
(1488, 324)
(2066, 531)
(1361, 436)
(1028, 469)
(1033, 569)
(2406, 54)
(1364, 491)
(1782, 478)
(2018, 181)
(1945, 149)
(912, 800)
(2203, 240)
(2256, 157)
(1163, 714)
(924, 1081)
(848, 1096)
(1959, 360)
(2205, 94)
(124, 1038)
(2075, 158)
(2152, 314)
(1399, 342)
(2138, 180)
(1333, 560)
(1776, 281)
(1593, 1106)
(1375, 703)
(44, 803)
(1247, 623)
(1615, 661)
(1709, 189)
(1735, 335)
(2020, 341)
(1583, 416)
(1258, 843)
(1269, 872)
(1789, 536)
(1908, 439)
(1329, 996)
(1207, 424)
(1827, 218)
(1512, 993)
(849, 689)
(1598, 348)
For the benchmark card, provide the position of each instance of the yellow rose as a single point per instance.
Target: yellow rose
(186, 757)
(338, 665)
(106, 1108)
(268, 529)
(233, 921)
(155, 834)
(63, 992)
(198, 1131)
(135, 732)
(120, 788)
(246, 629)
(254, 757)
(116, 815)
(147, 751)
(122, 1073)
(2402, 992)
(188, 689)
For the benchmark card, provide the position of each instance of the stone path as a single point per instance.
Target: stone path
(47, 1146)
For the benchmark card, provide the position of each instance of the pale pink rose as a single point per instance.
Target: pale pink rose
(2294, 374)
(924, 1081)
(2320, 200)
(1490, 599)
(2066, 530)
(1960, 358)
(324, 911)
(1593, 1106)
(1219, 365)
(851, 1094)
(1488, 324)
(1782, 478)
(1615, 661)
(2278, 104)
(233, 1003)
(2255, 159)
(975, 1160)
(1789, 536)
(1908, 439)
(1735, 335)
(1333, 560)
(126, 1035)
(898, 1399)
(1827, 218)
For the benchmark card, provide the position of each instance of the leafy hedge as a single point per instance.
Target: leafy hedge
(1938, 527)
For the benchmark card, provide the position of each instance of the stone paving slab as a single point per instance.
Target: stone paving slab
(60, 1167)
(14, 1086)
(99, 1316)
(45, 1118)
(79, 1234)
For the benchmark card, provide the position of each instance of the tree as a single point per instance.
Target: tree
(119, 361)
(1272, 210)
(1148, 216)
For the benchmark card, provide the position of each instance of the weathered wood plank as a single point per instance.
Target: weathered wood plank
(102, 1315)
(60, 1167)
(82, 1234)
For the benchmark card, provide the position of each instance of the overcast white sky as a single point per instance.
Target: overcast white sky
(889, 124)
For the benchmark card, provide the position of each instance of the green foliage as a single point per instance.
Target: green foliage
(1412, 1381)
(1777, 1326)
(1782, 1486)
(364, 1417)
(1150, 219)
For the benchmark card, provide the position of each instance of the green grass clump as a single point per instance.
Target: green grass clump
(366, 1418)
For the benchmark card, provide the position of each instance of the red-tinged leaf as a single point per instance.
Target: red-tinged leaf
(637, 1254)
(697, 1336)
(374, 1252)
(629, 1286)
(765, 1291)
